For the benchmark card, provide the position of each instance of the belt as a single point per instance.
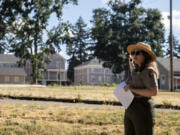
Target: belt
(141, 97)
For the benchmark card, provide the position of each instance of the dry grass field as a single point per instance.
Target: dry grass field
(85, 92)
(19, 119)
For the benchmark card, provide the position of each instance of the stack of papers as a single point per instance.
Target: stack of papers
(125, 97)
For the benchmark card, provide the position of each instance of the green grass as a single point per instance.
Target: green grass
(18, 119)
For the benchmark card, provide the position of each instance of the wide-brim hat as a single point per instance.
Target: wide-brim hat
(142, 46)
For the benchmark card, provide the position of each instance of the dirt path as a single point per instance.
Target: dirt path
(73, 105)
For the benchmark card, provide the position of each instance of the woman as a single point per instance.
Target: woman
(140, 116)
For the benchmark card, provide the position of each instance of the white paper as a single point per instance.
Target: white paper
(125, 97)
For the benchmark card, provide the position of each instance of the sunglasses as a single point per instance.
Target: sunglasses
(135, 52)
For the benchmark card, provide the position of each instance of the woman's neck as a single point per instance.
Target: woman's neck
(140, 67)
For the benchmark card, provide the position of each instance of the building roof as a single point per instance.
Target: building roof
(12, 71)
(8, 58)
(165, 62)
(94, 61)
(57, 55)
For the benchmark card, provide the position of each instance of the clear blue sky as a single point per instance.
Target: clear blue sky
(85, 7)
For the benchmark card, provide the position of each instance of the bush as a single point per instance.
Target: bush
(166, 102)
(114, 84)
(53, 84)
(28, 83)
(105, 84)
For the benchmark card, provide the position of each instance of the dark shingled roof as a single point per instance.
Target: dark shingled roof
(12, 71)
(8, 58)
(57, 56)
(94, 61)
(165, 63)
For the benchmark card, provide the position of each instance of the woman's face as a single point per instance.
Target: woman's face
(138, 57)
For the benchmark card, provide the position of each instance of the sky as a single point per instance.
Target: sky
(85, 9)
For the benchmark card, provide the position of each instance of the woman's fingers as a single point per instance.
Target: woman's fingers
(126, 88)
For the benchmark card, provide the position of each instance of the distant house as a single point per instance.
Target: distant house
(56, 72)
(10, 73)
(164, 70)
(93, 73)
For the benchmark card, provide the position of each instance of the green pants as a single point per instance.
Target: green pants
(140, 117)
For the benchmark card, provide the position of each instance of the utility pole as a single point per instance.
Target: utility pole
(171, 51)
(59, 77)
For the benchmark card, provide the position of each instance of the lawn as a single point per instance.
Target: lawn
(85, 92)
(19, 119)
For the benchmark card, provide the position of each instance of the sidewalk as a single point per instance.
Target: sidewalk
(65, 100)
(20, 85)
(74, 105)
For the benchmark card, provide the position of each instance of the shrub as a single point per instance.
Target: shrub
(105, 84)
(166, 102)
(114, 84)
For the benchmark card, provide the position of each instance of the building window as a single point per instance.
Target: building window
(59, 76)
(163, 79)
(96, 70)
(107, 71)
(100, 78)
(92, 78)
(89, 70)
(7, 78)
(108, 79)
(16, 79)
(58, 64)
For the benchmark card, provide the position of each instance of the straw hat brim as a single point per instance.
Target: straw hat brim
(141, 47)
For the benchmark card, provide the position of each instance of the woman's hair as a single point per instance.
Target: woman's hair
(148, 62)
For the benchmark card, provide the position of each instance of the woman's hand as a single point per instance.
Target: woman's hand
(126, 88)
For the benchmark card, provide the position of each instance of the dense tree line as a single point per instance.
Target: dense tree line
(24, 23)
(124, 24)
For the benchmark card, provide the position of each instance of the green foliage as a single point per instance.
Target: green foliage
(8, 11)
(109, 85)
(77, 46)
(114, 84)
(73, 62)
(28, 83)
(166, 102)
(54, 84)
(28, 26)
(105, 84)
(176, 47)
(121, 25)
(79, 97)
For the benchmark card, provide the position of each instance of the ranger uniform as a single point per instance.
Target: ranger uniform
(140, 115)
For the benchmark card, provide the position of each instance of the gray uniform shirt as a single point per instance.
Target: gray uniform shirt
(142, 80)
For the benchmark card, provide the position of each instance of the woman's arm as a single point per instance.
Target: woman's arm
(149, 80)
(146, 92)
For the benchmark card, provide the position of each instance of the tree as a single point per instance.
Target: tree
(73, 62)
(8, 10)
(121, 25)
(77, 46)
(27, 31)
(176, 47)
